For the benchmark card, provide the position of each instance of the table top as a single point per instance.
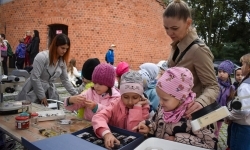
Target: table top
(32, 134)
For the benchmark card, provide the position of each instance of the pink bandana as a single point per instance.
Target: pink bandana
(178, 82)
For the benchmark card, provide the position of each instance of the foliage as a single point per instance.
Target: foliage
(224, 25)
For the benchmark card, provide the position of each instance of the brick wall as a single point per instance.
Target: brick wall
(135, 26)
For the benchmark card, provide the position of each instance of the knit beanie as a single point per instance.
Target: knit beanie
(145, 77)
(131, 82)
(88, 68)
(152, 69)
(121, 68)
(104, 74)
(177, 82)
(226, 66)
(163, 65)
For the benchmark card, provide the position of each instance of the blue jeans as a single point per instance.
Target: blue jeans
(240, 137)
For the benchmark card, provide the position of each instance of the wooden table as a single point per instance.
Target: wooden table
(7, 125)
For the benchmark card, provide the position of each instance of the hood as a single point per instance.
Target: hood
(152, 69)
(115, 92)
(22, 45)
(152, 84)
(235, 72)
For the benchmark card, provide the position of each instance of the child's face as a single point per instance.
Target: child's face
(100, 89)
(238, 75)
(130, 99)
(167, 102)
(245, 68)
(223, 75)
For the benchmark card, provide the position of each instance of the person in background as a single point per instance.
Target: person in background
(100, 96)
(73, 74)
(198, 59)
(240, 119)
(121, 68)
(163, 65)
(20, 54)
(47, 67)
(87, 72)
(174, 89)
(128, 111)
(225, 69)
(110, 56)
(34, 47)
(149, 72)
(4, 57)
(238, 78)
(27, 42)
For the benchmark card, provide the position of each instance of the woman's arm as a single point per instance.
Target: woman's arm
(203, 63)
(38, 67)
(66, 83)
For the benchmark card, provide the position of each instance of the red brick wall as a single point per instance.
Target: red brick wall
(135, 26)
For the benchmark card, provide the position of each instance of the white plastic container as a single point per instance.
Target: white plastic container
(50, 115)
(161, 144)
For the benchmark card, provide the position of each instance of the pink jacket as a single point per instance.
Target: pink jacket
(119, 116)
(102, 101)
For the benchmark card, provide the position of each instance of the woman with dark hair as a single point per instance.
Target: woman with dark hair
(47, 67)
(34, 47)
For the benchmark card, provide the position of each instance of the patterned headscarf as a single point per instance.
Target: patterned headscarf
(177, 82)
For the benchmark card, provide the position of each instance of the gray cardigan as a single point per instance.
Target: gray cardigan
(42, 77)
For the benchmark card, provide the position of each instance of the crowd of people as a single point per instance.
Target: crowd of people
(156, 100)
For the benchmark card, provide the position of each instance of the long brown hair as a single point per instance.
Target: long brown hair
(72, 63)
(60, 39)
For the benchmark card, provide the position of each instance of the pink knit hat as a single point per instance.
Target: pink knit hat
(122, 68)
(177, 82)
(104, 74)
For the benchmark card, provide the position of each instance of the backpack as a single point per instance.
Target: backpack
(9, 50)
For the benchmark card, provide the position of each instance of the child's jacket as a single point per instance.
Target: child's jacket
(182, 131)
(102, 100)
(118, 115)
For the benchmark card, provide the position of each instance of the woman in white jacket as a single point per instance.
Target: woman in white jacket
(72, 72)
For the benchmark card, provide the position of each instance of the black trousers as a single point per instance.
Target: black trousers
(20, 63)
(4, 64)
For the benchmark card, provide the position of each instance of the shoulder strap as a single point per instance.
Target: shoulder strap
(197, 41)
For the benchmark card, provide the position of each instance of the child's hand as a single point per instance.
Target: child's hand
(78, 99)
(110, 140)
(141, 128)
(143, 102)
(170, 138)
(90, 104)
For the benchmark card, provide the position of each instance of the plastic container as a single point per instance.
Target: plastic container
(22, 122)
(26, 106)
(34, 118)
(80, 113)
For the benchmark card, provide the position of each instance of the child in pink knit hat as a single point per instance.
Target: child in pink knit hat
(174, 89)
(98, 97)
